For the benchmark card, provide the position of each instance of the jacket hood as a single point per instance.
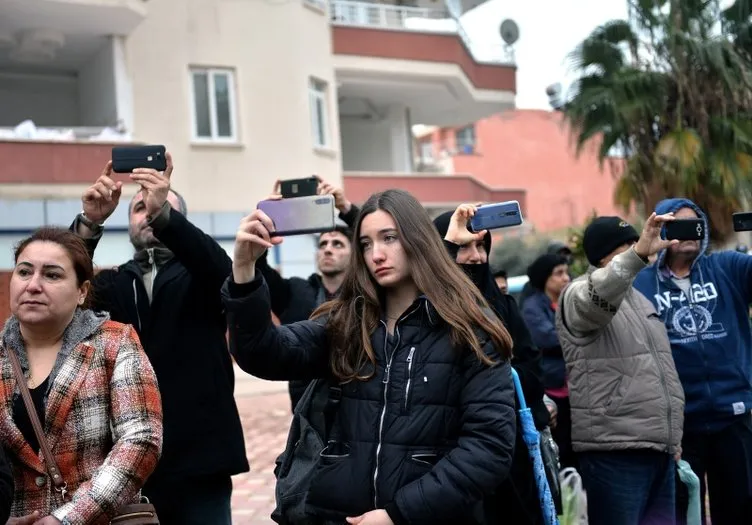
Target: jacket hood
(674, 205)
(442, 225)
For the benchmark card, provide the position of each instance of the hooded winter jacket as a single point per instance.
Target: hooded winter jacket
(708, 327)
(623, 386)
(429, 436)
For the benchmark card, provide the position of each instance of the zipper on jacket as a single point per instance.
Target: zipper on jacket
(135, 299)
(154, 271)
(409, 376)
(387, 377)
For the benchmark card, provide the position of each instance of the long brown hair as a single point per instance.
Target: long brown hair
(355, 314)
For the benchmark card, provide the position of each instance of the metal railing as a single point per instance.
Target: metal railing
(419, 19)
(367, 14)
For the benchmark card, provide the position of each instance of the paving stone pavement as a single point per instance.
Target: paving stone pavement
(265, 413)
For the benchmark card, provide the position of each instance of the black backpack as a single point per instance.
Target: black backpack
(312, 427)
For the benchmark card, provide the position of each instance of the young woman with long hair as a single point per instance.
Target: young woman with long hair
(427, 412)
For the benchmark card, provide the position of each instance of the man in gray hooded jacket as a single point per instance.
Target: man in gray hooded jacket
(626, 399)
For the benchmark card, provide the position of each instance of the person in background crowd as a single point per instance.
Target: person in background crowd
(427, 409)
(554, 248)
(517, 497)
(170, 293)
(549, 276)
(6, 486)
(294, 299)
(703, 300)
(627, 403)
(93, 389)
(501, 279)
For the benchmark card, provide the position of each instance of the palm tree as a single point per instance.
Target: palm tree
(671, 88)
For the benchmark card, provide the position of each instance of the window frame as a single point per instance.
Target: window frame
(211, 74)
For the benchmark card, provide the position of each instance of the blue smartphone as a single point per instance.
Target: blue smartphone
(498, 215)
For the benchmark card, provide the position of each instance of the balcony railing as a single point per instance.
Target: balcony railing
(366, 14)
(419, 19)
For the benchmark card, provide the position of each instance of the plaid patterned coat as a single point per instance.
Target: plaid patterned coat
(103, 422)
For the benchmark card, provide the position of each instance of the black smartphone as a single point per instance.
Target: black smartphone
(298, 187)
(309, 214)
(125, 159)
(685, 230)
(742, 221)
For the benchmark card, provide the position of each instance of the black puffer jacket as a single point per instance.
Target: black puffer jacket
(430, 435)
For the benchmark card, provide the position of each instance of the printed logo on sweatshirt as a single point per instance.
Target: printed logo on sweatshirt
(688, 318)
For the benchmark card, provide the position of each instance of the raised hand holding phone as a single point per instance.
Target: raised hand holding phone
(253, 238)
(458, 232)
(101, 198)
(155, 186)
(650, 241)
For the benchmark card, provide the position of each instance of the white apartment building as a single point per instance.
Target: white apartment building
(242, 92)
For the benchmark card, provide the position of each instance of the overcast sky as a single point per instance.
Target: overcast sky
(549, 31)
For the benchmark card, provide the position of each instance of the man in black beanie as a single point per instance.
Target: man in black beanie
(627, 403)
(604, 235)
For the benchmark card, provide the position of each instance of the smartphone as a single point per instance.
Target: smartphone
(742, 221)
(298, 187)
(493, 216)
(685, 230)
(309, 214)
(125, 159)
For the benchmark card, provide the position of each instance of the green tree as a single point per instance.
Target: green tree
(671, 88)
(580, 263)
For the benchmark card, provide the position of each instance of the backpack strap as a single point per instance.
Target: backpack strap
(330, 413)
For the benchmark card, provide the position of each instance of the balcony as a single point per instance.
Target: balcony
(64, 86)
(418, 58)
(422, 20)
(74, 18)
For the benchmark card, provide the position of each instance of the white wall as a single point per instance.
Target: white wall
(401, 135)
(366, 145)
(48, 100)
(123, 83)
(383, 145)
(274, 49)
(97, 98)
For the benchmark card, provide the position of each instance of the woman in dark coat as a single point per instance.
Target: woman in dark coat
(426, 415)
(517, 498)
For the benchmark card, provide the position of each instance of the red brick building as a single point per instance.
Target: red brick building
(529, 150)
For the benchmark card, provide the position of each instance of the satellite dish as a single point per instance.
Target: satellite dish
(555, 96)
(554, 90)
(509, 31)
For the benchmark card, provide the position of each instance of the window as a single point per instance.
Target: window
(213, 105)
(426, 152)
(317, 91)
(464, 139)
